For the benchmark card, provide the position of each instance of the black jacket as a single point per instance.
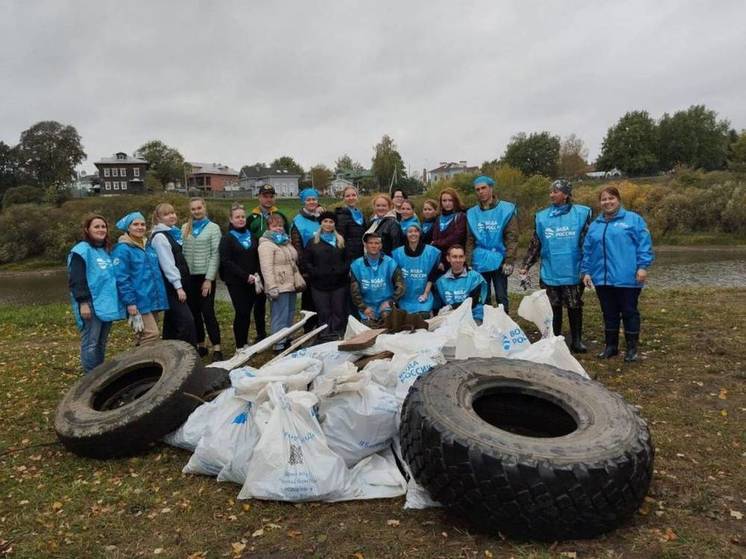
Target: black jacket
(352, 233)
(236, 262)
(327, 266)
(391, 235)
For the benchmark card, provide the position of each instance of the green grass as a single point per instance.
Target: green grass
(690, 388)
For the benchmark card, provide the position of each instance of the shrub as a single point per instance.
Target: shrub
(23, 195)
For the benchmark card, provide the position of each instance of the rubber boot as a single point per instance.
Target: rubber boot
(631, 354)
(575, 317)
(557, 320)
(612, 345)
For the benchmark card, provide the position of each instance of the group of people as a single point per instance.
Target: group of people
(343, 263)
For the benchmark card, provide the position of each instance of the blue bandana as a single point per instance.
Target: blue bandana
(279, 238)
(427, 224)
(243, 238)
(444, 221)
(308, 193)
(357, 215)
(176, 234)
(124, 223)
(484, 180)
(329, 238)
(559, 210)
(198, 225)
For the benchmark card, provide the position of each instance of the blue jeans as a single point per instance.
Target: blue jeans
(282, 310)
(93, 342)
(619, 304)
(500, 282)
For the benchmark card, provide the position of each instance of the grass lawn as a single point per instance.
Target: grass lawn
(690, 387)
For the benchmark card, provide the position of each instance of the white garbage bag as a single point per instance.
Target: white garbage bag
(359, 416)
(381, 373)
(294, 373)
(328, 353)
(354, 327)
(408, 367)
(375, 477)
(497, 336)
(292, 461)
(537, 309)
(454, 320)
(188, 435)
(552, 351)
(238, 464)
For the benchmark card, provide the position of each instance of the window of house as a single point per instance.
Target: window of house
(115, 172)
(107, 185)
(136, 171)
(107, 171)
(124, 185)
(116, 185)
(123, 172)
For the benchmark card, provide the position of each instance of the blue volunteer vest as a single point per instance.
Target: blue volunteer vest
(306, 227)
(455, 290)
(560, 244)
(102, 283)
(376, 284)
(487, 227)
(414, 271)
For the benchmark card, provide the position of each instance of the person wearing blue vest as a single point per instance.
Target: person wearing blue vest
(139, 279)
(93, 291)
(302, 230)
(459, 283)
(492, 239)
(558, 239)
(418, 263)
(617, 253)
(376, 282)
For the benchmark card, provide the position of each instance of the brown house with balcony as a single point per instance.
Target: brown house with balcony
(121, 174)
(211, 177)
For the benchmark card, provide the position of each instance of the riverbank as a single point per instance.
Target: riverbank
(689, 386)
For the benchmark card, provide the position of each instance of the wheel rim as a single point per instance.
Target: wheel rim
(128, 386)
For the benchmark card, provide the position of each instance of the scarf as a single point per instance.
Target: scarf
(198, 225)
(426, 225)
(277, 238)
(445, 220)
(559, 210)
(329, 238)
(357, 215)
(175, 233)
(243, 237)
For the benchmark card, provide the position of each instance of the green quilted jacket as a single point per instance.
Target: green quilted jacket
(202, 253)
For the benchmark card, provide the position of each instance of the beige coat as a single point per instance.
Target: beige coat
(279, 264)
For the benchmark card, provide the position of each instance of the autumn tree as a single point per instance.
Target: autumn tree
(573, 157)
(533, 154)
(287, 162)
(737, 154)
(345, 164)
(321, 177)
(388, 167)
(166, 163)
(48, 153)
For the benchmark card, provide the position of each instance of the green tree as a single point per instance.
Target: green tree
(737, 154)
(321, 177)
(535, 154)
(694, 137)
(388, 167)
(345, 164)
(167, 163)
(48, 153)
(9, 167)
(287, 162)
(573, 157)
(24, 194)
(631, 145)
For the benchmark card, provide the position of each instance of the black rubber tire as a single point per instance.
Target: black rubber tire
(131, 400)
(570, 484)
(216, 381)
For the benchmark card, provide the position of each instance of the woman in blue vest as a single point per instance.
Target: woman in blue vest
(617, 253)
(492, 238)
(93, 290)
(139, 278)
(166, 239)
(302, 229)
(460, 283)
(558, 239)
(376, 282)
(418, 263)
(407, 216)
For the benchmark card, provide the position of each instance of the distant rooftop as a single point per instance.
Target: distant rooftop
(212, 169)
(259, 171)
(121, 157)
(453, 166)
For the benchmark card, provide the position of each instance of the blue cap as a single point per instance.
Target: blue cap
(484, 180)
(124, 223)
(308, 193)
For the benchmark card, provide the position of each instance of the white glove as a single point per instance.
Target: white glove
(273, 293)
(507, 269)
(258, 285)
(136, 323)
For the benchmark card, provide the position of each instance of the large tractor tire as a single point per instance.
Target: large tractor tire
(132, 400)
(526, 449)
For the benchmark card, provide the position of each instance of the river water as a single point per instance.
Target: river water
(674, 267)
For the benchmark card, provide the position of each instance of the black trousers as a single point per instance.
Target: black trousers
(178, 322)
(499, 281)
(619, 304)
(306, 304)
(243, 297)
(260, 315)
(203, 310)
(332, 309)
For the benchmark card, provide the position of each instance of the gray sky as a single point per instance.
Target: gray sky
(239, 82)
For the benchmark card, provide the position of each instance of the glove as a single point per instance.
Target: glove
(258, 285)
(422, 298)
(136, 323)
(507, 269)
(273, 293)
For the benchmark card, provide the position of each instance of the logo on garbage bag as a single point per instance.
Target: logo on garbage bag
(240, 419)
(296, 455)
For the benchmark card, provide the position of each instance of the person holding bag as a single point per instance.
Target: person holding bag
(139, 279)
(239, 269)
(278, 260)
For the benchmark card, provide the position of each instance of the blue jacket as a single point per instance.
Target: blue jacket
(488, 229)
(559, 230)
(455, 290)
(614, 250)
(139, 277)
(102, 284)
(376, 282)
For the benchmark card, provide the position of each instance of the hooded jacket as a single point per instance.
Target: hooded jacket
(139, 278)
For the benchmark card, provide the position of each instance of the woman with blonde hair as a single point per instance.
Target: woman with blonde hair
(384, 222)
(351, 223)
(201, 251)
(166, 239)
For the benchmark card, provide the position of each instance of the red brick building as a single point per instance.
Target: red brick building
(211, 177)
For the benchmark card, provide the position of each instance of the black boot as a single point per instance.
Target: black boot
(612, 345)
(631, 354)
(557, 320)
(575, 317)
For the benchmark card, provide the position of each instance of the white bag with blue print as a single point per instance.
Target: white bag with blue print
(536, 308)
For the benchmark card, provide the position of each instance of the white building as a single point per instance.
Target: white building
(447, 170)
(284, 182)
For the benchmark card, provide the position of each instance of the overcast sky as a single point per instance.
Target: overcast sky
(240, 82)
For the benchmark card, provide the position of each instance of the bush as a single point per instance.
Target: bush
(23, 195)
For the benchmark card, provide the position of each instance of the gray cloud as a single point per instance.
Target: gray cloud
(238, 82)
